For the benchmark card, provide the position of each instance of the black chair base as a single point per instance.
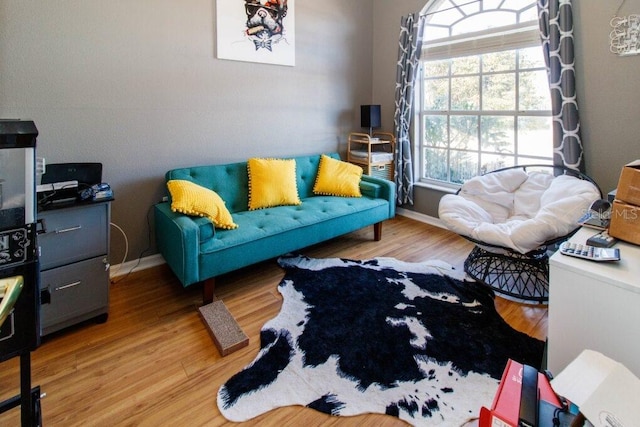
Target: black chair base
(521, 276)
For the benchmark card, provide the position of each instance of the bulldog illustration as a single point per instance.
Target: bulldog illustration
(265, 22)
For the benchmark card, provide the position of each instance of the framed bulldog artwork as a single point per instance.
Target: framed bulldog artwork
(256, 31)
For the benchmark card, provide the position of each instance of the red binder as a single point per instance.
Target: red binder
(505, 409)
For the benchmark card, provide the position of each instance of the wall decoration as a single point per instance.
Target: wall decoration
(256, 31)
(624, 38)
(625, 35)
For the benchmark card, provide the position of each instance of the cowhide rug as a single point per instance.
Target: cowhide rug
(412, 340)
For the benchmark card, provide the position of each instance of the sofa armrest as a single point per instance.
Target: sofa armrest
(178, 240)
(375, 187)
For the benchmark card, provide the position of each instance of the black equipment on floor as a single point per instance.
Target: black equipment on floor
(19, 271)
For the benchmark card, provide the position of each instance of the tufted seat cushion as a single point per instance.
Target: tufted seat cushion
(284, 218)
(255, 225)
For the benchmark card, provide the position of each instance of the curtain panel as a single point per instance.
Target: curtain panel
(556, 32)
(409, 47)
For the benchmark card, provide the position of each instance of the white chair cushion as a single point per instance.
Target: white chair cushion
(516, 209)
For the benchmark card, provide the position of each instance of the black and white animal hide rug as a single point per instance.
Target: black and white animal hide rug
(411, 340)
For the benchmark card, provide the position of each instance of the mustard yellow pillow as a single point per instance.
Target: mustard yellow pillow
(192, 199)
(337, 178)
(272, 182)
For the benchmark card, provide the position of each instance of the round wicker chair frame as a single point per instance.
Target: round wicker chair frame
(508, 272)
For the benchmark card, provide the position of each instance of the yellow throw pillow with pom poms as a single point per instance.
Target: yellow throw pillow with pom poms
(272, 182)
(337, 178)
(192, 199)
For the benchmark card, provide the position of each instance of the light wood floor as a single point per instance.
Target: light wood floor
(154, 364)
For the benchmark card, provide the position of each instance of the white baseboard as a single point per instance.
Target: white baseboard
(157, 259)
(135, 265)
(427, 219)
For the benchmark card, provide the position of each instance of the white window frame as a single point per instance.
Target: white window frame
(511, 37)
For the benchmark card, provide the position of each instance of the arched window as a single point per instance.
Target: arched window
(485, 100)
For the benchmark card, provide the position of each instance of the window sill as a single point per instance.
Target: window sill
(435, 187)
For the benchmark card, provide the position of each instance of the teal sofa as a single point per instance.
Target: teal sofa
(197, 252)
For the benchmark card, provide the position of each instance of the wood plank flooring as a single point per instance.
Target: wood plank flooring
(153, 362)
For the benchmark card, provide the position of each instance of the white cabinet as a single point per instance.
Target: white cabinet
(594, 305)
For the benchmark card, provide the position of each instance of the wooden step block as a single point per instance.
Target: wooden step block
(225, 331)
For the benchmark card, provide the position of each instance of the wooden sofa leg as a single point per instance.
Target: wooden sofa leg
(377, 231)
(208, 286)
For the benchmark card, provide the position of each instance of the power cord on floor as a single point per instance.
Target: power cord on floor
(126, 246)
(148, 248)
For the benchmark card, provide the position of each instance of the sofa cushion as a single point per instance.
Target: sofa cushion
(337, 178)
(192, 199)
(263, 223)
(272, 182)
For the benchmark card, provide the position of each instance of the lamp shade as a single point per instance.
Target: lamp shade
(370, 116)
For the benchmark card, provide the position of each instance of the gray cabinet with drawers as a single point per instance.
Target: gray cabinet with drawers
(74, 266)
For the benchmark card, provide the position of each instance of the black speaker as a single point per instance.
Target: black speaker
(85, 173)
(370, 116)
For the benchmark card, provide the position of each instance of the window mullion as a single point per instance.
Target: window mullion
(516, 115)
(449, 106)
(479, 116)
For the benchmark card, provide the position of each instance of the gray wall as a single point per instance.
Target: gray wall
(608, 87)
(136, 85)
(608, 92)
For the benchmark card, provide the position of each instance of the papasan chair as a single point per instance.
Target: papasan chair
(515, 215)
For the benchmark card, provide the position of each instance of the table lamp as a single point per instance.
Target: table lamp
(370, 117)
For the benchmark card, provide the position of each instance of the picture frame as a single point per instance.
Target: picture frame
(256, 31)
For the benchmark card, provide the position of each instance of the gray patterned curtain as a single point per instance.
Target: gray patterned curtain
(410, 45)
(556, 31)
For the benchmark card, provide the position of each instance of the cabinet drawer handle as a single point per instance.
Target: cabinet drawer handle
(70, 285)
(66, 230)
